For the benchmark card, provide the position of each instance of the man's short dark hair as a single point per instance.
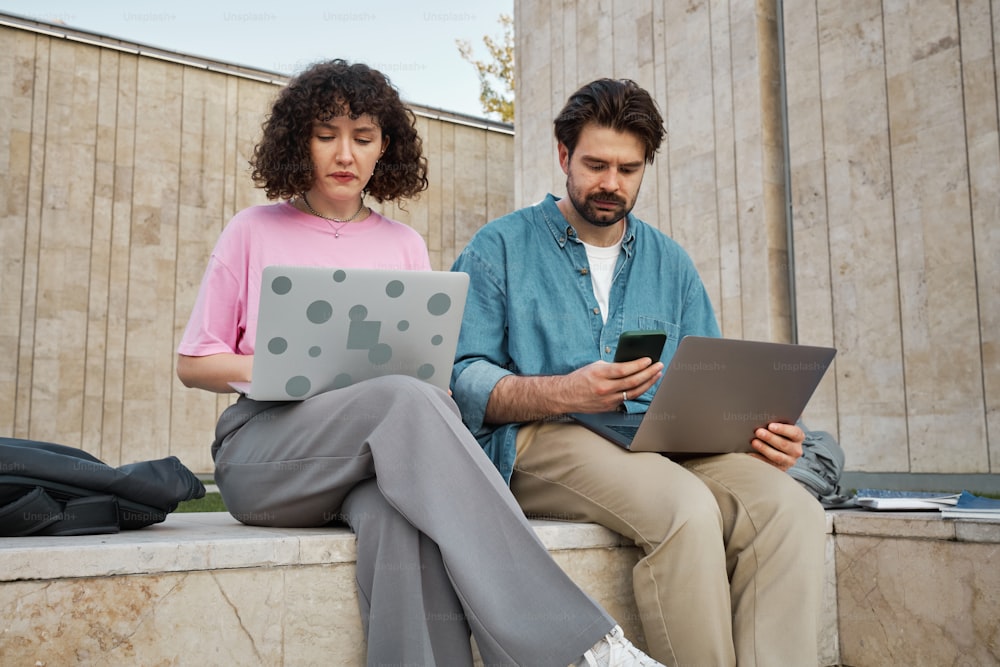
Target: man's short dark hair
(619, 104)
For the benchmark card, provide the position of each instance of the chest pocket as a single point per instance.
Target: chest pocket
(673, 334)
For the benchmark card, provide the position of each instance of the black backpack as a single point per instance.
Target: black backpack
(50, 489)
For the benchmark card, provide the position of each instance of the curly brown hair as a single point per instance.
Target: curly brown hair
(282, 163)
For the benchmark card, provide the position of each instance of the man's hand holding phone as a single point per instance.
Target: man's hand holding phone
(628, 377)
(600, 386)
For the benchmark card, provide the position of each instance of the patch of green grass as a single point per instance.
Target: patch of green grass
(212, 502)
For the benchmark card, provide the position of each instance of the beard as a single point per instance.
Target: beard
(586, 206)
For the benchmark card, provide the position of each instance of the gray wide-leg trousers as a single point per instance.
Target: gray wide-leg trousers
(443, 547)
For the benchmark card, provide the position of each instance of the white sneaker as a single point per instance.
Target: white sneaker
(616, 651)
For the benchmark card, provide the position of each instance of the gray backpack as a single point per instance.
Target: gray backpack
(820, 467)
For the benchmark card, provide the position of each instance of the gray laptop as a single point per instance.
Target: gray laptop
(714, 395)
(325, 328)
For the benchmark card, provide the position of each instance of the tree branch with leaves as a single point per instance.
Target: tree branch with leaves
(496, 76)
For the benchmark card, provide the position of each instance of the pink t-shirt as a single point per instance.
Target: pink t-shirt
(224, 318)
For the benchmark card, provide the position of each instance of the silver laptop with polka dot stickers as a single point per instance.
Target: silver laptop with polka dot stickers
(325, 328)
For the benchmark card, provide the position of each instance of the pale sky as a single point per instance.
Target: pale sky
(411, 41)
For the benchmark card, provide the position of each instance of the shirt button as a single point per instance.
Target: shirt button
(584, 272)
(607, 349)
(597, 311)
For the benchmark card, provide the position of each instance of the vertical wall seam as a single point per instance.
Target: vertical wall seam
(972, 221)
(90, 257)
(29, 401)
(895, 253)
(786, 159)
(826, 217)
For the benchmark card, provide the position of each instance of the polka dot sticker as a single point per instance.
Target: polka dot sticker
(298, 386)
(319, 312)
(380, 354)
(425, 372)
(281, 285)
(394, 289)
(439, 304)
(277, 345)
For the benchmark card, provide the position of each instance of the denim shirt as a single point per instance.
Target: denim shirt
(531, 308)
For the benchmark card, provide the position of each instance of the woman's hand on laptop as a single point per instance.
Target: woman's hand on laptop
(778, 444)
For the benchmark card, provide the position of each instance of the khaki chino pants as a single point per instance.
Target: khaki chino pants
(733, 548)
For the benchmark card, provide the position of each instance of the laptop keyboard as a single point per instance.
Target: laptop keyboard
(622, 429)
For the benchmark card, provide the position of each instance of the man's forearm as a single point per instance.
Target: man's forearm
(518, 398)
(596, 387)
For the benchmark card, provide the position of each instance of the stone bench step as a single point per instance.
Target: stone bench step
(204, 585)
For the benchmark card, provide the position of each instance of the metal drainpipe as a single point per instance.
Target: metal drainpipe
(787, 169)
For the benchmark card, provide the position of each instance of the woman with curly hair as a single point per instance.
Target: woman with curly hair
(442, 547)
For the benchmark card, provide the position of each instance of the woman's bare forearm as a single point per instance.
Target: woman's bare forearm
(215, 371)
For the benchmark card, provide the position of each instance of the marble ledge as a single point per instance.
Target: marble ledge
(214, 541)
(912, 525)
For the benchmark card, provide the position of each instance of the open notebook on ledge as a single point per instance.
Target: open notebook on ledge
(971, 506)
(884, 499)
(962, 505)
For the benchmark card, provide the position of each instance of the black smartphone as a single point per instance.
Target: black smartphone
(638, 344)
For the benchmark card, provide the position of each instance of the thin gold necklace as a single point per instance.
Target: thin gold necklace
(336, 230)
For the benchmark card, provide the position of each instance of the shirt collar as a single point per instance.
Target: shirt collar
(562, 231)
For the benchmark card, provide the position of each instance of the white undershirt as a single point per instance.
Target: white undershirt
(602, 271)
